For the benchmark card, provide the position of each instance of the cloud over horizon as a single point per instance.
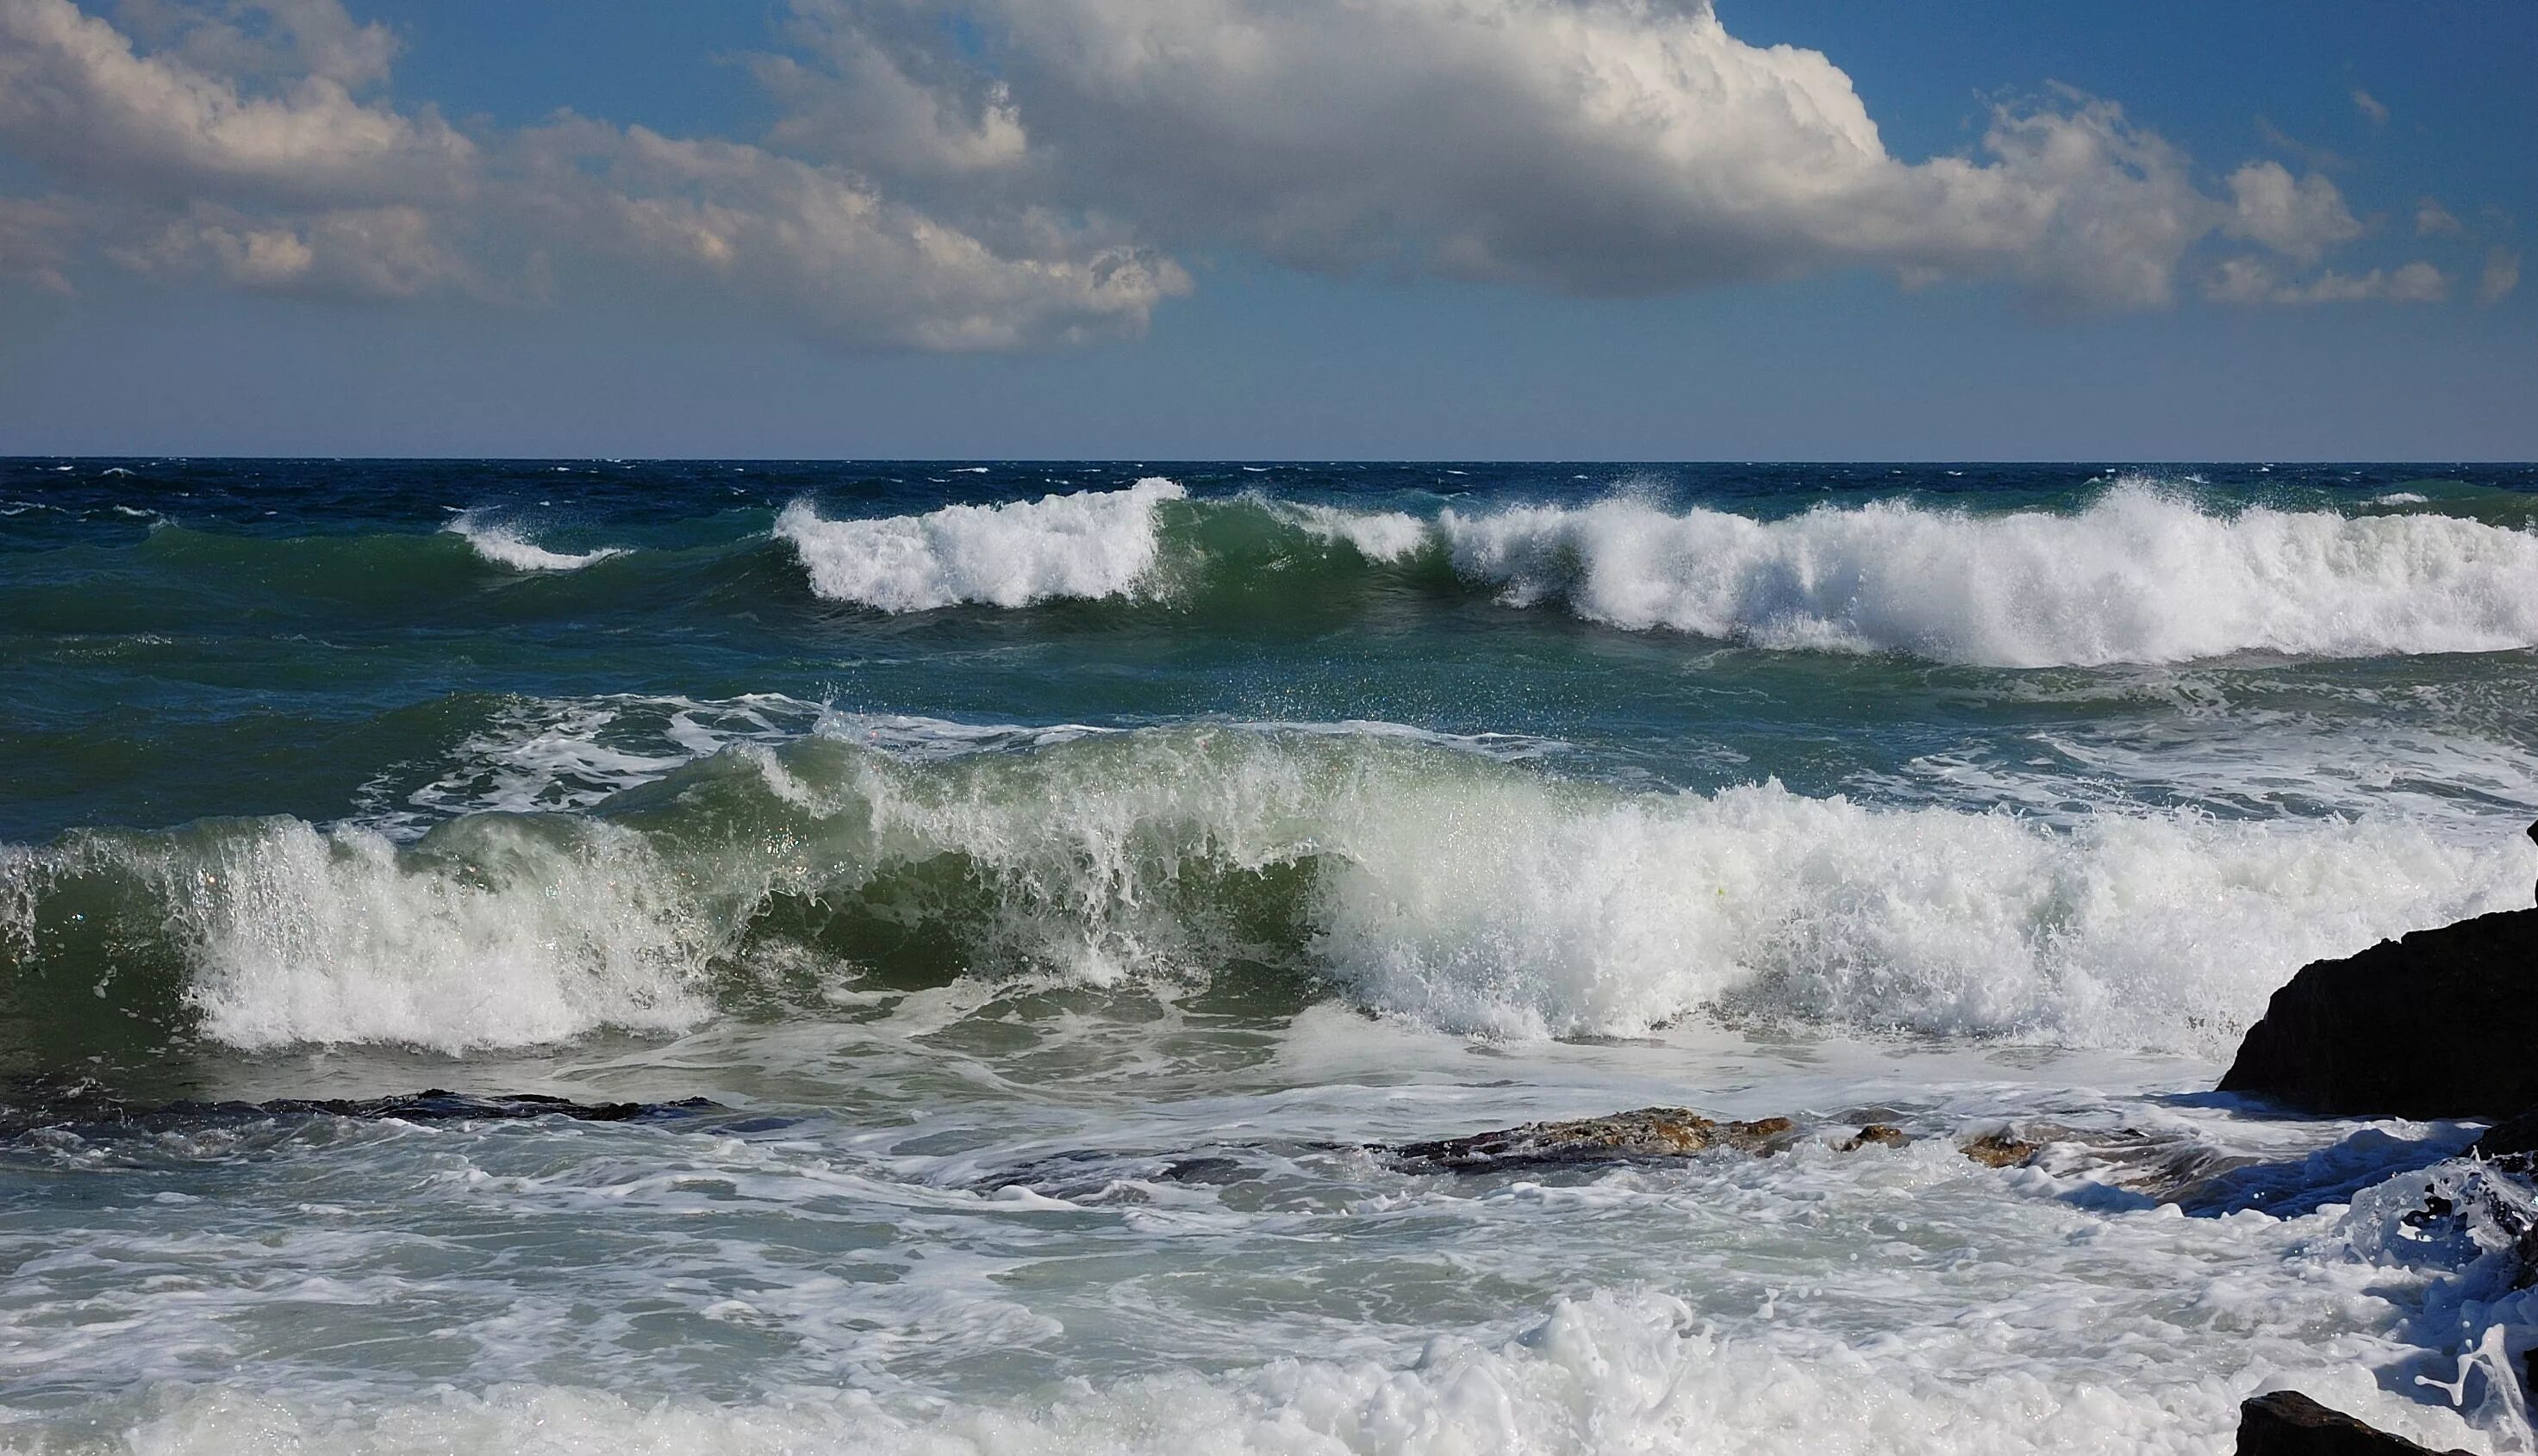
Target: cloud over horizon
(1034, 175)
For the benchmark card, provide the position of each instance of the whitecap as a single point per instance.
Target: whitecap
(2139, 575)
(505, 546)
(1090, 544)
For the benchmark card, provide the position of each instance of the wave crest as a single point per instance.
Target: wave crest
(506, 546)
(1090, 544)
(1443, 887)
(2139, 575)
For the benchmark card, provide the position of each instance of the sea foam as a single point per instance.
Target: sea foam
(1089, 544)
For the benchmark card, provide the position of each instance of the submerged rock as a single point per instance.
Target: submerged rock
(2289, 1423)
(1874, 1135)
(1647, 1133)
(2001, 1149)
(2439, 1023)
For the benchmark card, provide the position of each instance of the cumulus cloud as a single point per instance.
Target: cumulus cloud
(1596, 146)
(2370, 107)
(2299, 219)
(951, 174)
(2432, 220)
(245, 150)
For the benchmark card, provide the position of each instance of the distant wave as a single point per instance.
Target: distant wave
(506, 546)
(2140, 574)
(1087, 544)
(1420, 880)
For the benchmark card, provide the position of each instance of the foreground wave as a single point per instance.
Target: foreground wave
(1444, 888)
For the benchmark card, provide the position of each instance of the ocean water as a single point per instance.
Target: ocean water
(1062, 880)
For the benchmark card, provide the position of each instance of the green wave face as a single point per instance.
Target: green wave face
(1409, 875)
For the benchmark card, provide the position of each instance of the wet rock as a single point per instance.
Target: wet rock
(1647, 1133)
(2439, 1023)
(1875, 1134)
(2289, 1423)
(2002, 1148)
(34, 1103)
(2513, 1137)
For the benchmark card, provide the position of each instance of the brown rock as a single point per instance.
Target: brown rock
(2289, 1423)
(1649, 1132)
(1878, 1134)
(2000, 1150)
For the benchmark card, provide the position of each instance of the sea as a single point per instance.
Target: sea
(1034, 904)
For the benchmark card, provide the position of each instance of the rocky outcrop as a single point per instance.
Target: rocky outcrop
(2440, 1023)
(2289, 1423)
(1647, 1133)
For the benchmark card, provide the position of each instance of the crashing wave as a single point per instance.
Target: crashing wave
(1090, 544)
(1443, 887)
(2139, 575)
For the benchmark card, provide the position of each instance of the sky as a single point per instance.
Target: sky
(1577, 230)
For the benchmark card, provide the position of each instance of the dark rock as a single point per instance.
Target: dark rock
(1875, 1134)
(2289, 1423)
(33, 1104)
(2440, 1023)
(2516, 1137)
(2002, 1148)
(1649, 1133)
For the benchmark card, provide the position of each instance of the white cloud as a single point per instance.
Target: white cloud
(1586, 146)
(239, 150)
(78, 99)
(2370, 107)
(820, 246)
(2299, 219)
(2432, 220)
(2252, 280)
(2502, 275)
(951, 175)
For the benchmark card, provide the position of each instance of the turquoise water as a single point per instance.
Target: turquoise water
(1054, 874)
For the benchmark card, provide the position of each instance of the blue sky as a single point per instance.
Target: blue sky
(1466, 229)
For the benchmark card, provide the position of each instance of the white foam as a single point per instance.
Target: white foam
(1090, 544)
(506, 933)
(2140, 575)
(1472, 896)
(1605, 1373)
(505, 546)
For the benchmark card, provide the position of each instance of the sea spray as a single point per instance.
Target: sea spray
(1447, 888)
(1087, 544)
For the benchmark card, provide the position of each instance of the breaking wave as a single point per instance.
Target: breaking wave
(2141, 575)
(1443, 887)
(506, 546)
(1090, 544)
